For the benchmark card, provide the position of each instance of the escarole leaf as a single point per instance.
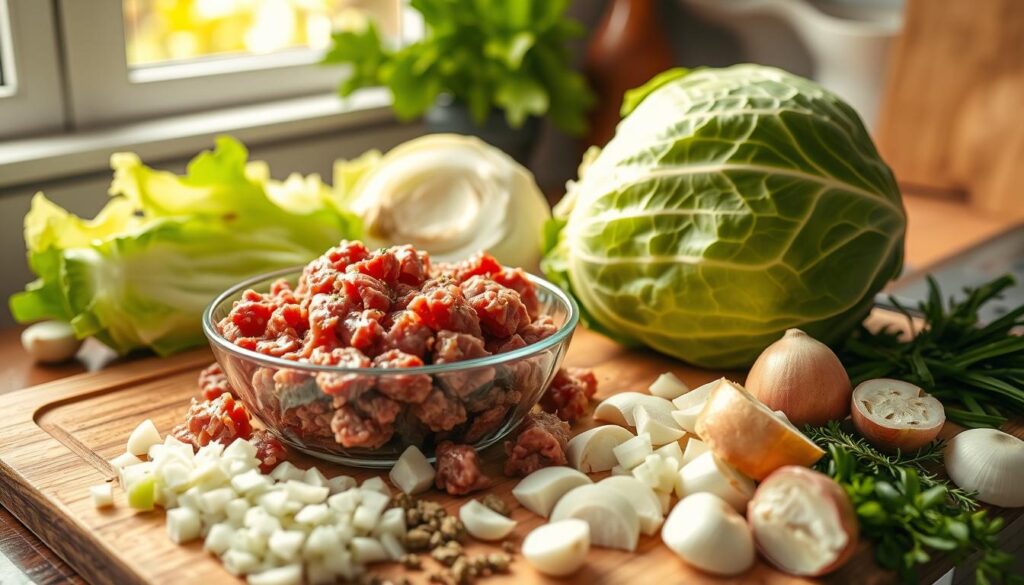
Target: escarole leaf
(731, 204)
(141, 273)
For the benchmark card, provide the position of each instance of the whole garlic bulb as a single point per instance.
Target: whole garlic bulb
(989, 462)
(801, 376)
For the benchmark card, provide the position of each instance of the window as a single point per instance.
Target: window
(30, 90)
(132, 59)
(159, 32)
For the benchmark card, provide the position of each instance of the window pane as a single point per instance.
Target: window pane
(160, 31)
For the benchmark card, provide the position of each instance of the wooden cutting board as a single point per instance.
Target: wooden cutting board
(56, 439)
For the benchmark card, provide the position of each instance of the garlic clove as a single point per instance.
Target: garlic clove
(892, 414)
(707, 474)
(50, 342)
(484, 523)
(803, 522)
(803, 378)
(989, 462)
(619, 409)
(710, 535)
(613, 520)
(591, 451)
(744, 433)
(642, 497)
(541, 490)
(559, 548)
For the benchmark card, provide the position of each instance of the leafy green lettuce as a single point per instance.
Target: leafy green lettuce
(141, 273)
(731, 204)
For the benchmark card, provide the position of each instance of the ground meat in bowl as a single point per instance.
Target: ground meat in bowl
(379, 312)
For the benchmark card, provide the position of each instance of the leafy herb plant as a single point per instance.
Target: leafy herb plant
(976, 371)
(486, 53)
(908, 512)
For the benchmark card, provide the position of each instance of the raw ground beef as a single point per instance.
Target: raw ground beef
(402, 387)
(354, 429)
(213, 382)
(540, 442)
(391, 309)
(269, 450)
(458, 469)
(222, 420)
(440, 412)
(570, 393)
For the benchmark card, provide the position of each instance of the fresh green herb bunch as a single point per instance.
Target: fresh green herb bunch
(889, 465)
(977, 372)
(486, 53)
(908, 512)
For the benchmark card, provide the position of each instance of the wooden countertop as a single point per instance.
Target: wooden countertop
(937, 230)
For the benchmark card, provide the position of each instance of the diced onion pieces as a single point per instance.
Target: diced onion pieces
(592, 450)
(559, 548)
(183, 525)
(412, 473)
(668, 386)
(539, 491)
(633, 452)
(102, 495)
(484, 523)
(658, 424)
(143, 437)
(275, 529)
(696, 397)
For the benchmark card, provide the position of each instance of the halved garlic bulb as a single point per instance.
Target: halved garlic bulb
(450, 195)
(988, 462)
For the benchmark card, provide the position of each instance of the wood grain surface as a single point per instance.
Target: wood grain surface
(59, 436)
(950, 115)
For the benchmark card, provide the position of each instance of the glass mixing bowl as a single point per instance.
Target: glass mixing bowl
(495, 391)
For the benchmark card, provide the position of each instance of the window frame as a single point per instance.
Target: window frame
(32, 100)
(104, 90)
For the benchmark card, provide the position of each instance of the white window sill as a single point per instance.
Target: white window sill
(34, 160)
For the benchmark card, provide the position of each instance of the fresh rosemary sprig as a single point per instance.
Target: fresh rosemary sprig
(889, 466)
(909, 513)
(976, 371)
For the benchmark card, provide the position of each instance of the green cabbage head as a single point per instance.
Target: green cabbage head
(731, 204)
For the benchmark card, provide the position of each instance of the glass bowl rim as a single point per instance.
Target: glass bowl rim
(214, 336)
